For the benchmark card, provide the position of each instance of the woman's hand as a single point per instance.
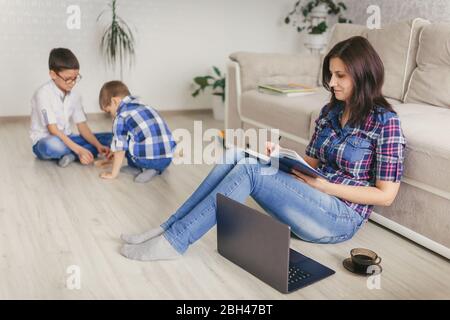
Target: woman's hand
(317, 183)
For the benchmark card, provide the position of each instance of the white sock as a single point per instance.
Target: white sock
(145, 176)
(154, 249)
(66, 160)
(139, 238)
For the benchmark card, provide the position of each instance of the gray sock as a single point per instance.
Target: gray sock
(139, 238)
(66, 160)
(130, 170)
(154, 249)
(145, 176)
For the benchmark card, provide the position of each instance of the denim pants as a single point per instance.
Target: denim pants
(157, 164)
(52, 147)
(313, 216)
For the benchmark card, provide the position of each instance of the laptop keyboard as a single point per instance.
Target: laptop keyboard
(296, 274)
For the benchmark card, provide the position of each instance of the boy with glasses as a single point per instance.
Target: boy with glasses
(54, 107)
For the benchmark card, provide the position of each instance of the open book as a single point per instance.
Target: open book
(287, 160)
(289, 94)
(288, 90)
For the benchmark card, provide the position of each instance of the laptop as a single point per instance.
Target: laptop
(260, 245)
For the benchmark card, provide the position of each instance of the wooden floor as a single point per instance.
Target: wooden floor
(52, 218)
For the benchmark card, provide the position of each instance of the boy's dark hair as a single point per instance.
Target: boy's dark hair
(62, 59)
(112, 89)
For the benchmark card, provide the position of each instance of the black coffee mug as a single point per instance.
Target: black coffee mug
(363, 259)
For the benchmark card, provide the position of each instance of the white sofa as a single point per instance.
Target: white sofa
(416, 56)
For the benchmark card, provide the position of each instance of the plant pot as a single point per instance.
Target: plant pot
(321, 11)
(218, 107)
(316, 41)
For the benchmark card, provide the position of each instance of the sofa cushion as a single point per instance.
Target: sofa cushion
(430, 81)
(396, 46)
(290, 114)
(427, 154)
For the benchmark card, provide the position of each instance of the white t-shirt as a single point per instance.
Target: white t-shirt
(49, 105)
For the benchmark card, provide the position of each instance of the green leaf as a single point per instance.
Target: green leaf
(117, 43)
(219, 84)
(203, 81)
(217, 71)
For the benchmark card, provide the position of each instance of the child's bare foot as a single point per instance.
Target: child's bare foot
(102, 163)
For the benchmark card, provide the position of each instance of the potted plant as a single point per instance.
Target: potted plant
(217, 83)
(311, 15)
(118, 42)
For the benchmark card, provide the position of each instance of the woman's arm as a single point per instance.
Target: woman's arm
(383, 194)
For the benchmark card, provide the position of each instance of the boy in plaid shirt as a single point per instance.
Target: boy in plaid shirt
(139, 134)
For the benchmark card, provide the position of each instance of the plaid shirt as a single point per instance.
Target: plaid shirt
(358, 156)
(141, 131)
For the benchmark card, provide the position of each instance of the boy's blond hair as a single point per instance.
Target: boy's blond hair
(110, 90)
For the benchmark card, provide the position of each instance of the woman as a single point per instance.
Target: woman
(358, 144)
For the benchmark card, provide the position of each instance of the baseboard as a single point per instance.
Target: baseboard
(410, 234)
(101, 115)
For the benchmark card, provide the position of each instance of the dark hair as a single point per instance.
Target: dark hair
(62, 59)
(112, 89)
(367, 72)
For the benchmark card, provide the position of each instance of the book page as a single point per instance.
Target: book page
(283, 152)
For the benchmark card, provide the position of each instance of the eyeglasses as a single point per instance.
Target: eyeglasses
(71, 80)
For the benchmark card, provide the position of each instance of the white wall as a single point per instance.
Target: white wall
(177, 40)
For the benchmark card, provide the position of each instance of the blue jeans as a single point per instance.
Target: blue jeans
(313, 216)
(157, 164)
(52, 147)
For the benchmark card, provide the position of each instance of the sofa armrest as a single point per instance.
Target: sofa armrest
(232, 97)
(246, 70)
(257, 68)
